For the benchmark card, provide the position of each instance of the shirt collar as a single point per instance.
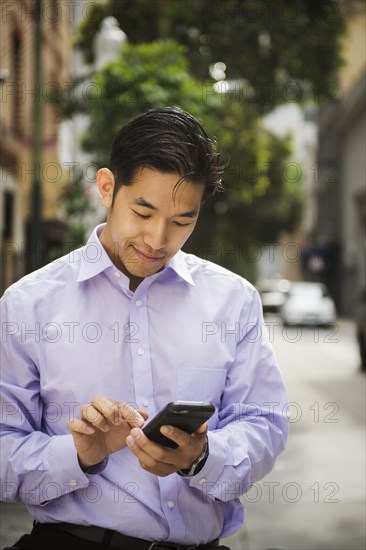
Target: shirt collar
(95, 260)
(178, 264)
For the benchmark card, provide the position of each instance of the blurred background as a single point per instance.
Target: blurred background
(281, 86)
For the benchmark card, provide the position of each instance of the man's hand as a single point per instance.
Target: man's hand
(163, 461)
(103, 428)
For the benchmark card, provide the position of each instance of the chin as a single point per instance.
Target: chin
(142, 273)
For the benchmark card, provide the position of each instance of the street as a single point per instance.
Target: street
(315, 497)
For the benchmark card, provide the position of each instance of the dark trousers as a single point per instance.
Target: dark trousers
(49, 538)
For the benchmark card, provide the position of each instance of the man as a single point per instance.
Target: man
(99, 340)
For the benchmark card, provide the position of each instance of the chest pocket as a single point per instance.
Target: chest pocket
(201, 384)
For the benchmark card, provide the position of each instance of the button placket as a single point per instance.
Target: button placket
(140, 353)
(169, 491)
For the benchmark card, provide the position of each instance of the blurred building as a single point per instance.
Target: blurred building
(284, 260)
(18, 92)
(338, 240)
(107, 46)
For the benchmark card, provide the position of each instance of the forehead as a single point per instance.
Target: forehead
(156, 187)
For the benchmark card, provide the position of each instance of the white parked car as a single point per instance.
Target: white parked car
(308, 304)
(273, 293)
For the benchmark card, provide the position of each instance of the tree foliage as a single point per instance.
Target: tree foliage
(281, 50)
(145, 76)
(76, 204)
(263, 195)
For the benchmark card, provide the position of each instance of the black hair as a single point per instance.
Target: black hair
(169, 140)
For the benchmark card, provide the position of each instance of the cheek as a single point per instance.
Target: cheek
(125, 230)
(182, 235)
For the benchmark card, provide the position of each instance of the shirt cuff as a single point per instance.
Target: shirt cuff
(207, 479)
(97, 468)
(64, 468)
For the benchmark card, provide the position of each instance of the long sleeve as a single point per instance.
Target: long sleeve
(253, 419)
(35, 466)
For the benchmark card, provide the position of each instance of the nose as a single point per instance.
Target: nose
(155, 236)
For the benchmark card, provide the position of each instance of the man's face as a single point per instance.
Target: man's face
(149, 221)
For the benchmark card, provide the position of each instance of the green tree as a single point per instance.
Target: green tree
(76, 204)
(145, 76)
(264, 193)
(282, 51)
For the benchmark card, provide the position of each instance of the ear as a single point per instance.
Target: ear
(105, 183)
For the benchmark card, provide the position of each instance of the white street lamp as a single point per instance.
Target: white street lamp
(108, 42)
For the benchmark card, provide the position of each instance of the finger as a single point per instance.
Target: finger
(91, 415)
(161, 460)
(113, 413)
(148, 462)
(79, 426)
(183, 439)
(147, 451)
(143, 413)
(203, 428)
(136, 446)
(109, 408)
(135, 417)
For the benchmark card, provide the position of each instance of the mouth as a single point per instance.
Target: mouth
(147, 258)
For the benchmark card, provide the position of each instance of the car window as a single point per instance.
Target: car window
(306, 290)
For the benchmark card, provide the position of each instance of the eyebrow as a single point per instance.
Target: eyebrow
(140, 201)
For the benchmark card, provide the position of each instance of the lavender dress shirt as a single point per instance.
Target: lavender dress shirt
(193, 331)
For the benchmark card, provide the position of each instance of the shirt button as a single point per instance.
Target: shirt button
(171, 504)
(202, 481)
(140, 351)
(138, 303)
(73, 482)
(146, 403)
(117, 274)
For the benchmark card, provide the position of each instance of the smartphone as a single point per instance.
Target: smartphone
(185, 415)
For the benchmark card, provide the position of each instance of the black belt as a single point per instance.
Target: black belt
(116, 540)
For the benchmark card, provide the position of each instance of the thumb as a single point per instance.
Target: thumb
(203, 428)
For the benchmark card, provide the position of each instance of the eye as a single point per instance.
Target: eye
(144, 216)
(181, 224)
